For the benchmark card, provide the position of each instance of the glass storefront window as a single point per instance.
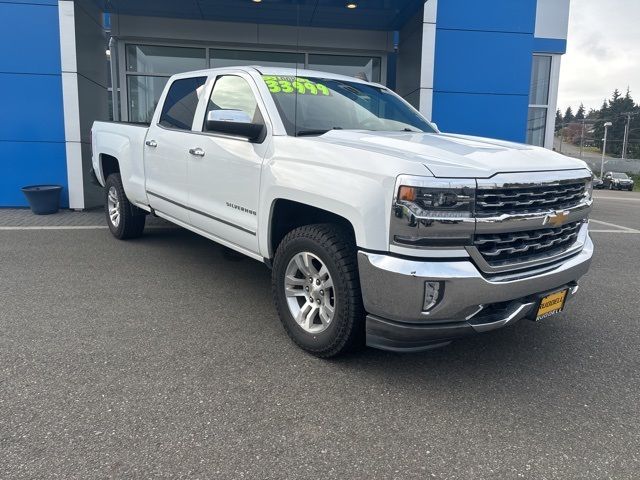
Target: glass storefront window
(164, 60)
(144, 94)
(539, 100)
(237, 58)
(537, 126)
(540, 75)
(148, 67)
(347, 65)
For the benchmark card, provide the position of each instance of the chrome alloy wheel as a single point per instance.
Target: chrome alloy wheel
(113, 205)
(310, 292)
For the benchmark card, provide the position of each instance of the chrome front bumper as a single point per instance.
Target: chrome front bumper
(393, 290)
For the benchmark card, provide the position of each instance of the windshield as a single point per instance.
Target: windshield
(622, 176)
(312, 106)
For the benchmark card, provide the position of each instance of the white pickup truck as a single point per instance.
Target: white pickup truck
(378, 228)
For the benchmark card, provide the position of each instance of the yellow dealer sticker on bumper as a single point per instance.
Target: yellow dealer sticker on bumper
(551, 304)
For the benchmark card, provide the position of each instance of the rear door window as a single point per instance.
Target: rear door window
(181, 102)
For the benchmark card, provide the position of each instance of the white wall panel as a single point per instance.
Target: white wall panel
(552, 19)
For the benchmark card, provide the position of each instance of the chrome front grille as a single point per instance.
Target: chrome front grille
(492, 202)
(512, 248)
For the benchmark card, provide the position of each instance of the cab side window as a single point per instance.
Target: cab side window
(180, 105)
(231, 92)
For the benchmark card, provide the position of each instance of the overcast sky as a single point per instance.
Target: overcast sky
(603, 52)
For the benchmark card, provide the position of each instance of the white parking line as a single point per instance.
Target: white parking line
(625, 229)
(623, 199)
(74, 227)
(57, 227)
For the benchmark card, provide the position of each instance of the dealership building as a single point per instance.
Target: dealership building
(480, 67)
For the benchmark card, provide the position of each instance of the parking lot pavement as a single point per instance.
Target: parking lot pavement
(22, 218)
(620, 209)
(164, 357)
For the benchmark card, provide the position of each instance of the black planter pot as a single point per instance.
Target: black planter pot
(43, 199)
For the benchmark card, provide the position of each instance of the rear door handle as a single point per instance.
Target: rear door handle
(198, 152)
(151, 143)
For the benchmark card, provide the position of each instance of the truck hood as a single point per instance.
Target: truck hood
(453, 156)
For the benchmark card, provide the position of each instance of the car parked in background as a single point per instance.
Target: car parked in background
(598, 183)
(617, 181)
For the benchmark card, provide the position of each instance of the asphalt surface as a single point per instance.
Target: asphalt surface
(163, 357)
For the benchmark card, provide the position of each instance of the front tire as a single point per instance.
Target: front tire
(124, 219)
(316, 289)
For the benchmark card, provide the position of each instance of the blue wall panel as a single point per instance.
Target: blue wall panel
(549, 45)
(488, 15)
(31, 108)
(483, 57)
(32, 148)
(29, 163)
(493, 116)
(34, 2)
(483, 62)
(29, 38)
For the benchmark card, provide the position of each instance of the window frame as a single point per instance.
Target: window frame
(552, 99)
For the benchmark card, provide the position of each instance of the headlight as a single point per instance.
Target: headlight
(436, 202)
(430, 212)
(588, 190)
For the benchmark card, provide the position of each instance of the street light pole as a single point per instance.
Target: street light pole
(604, 146)
(627, 132)
(626, 136)
(582, 138)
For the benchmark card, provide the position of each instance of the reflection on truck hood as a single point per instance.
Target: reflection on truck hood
(447, 155)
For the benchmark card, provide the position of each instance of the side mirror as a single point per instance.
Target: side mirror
(234, 122)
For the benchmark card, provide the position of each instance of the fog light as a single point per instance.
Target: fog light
(432, 291)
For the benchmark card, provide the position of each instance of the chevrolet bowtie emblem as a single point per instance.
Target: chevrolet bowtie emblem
(556, 219)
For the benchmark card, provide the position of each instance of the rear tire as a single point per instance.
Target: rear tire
(124, 219)
(316, 289)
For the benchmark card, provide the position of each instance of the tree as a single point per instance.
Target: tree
(618, 106)
(568, 116)
(615, 110)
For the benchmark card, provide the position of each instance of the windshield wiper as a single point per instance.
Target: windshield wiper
(302, 133)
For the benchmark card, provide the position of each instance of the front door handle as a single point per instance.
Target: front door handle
(151, 143)
(198, 152)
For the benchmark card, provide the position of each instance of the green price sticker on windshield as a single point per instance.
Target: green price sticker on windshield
(301, 86)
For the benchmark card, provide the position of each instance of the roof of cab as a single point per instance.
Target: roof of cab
(289, 72)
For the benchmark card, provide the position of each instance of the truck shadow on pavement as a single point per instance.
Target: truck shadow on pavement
(515, 352)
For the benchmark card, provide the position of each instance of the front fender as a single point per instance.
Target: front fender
(362, 198)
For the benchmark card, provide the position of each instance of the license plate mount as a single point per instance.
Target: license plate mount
(551, 305)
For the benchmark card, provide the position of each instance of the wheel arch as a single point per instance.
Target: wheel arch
(108, 164)
(286, 215)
